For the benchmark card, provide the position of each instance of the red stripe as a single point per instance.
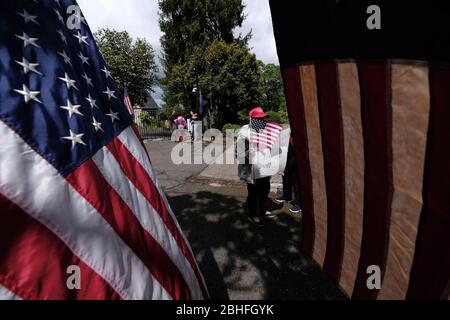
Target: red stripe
(128, 104)
(376, 112)
(143, 182)
(265, 135)
(33, 261)
(275, 125)
(272, 135)
(333, 151)
(262, 138)
(430, 273)
(121, 218)
(296, 108)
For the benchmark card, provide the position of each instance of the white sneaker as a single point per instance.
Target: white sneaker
(269, 214)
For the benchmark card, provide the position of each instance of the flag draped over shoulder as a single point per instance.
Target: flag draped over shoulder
(76, 184)
(369, 113)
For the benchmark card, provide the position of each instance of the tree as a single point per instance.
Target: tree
(131, 63)
(228, 76)
(273, 90)
(190, 26)
(187, 24)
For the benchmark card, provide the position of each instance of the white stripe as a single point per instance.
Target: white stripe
(148, 217)
(277, 127)
(38, 188)
(261, 141)
(133, 144)
(5, 294)
(263, 137)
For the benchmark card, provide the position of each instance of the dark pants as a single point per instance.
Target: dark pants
(291, 188)
(258, 194)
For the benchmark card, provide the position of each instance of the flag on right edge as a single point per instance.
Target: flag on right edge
(370, 122)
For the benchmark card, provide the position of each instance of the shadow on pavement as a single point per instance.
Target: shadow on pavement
(242, 261)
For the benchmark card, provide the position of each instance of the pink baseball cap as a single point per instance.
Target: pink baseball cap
(258, 112)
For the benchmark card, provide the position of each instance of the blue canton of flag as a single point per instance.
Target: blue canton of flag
(55, 87)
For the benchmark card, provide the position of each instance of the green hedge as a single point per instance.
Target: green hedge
(279, 117)
(230, 126)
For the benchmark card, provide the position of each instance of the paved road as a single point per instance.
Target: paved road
(238, 261)
(170, 174)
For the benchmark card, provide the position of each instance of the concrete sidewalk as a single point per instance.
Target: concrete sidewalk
(238, 260)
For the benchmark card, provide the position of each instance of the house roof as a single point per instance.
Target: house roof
(151, 104)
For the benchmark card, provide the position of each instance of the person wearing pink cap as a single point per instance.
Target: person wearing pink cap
(258, 189)
(258, 113)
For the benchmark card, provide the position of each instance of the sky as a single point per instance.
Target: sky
(140, 19)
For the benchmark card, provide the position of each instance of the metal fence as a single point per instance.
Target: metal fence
(153, 126)
(151, 132)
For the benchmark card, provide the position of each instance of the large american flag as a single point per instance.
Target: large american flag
(264, 133)
(76, 185)
(369, 112)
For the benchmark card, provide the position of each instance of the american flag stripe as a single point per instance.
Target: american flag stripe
(44, 179)
(148, 216)
(6, 294)
(130, 138)
(350, 102)
(133, 144)
(310, 101)
(116, 212)
(333, 154)
(430, 276)
(265, 136)
(406, 208)
(296, 109)
(127, 103)
(376, 111)
(133, 169)
(24, 265)
(261, 139)
(390, 218)
(274, 126)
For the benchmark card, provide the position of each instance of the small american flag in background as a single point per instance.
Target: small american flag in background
(76, 184)
(127, 101)
(264, 133)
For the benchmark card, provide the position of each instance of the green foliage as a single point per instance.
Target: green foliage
(187, 24)
(228, 75)
(145, 118)
(278, 117)
(200, 50)
(131, 63)
(190, 27)
(273, 90)
(230, 126)
(167, 112)
(150, 121)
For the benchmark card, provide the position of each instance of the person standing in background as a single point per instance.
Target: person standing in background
(180, 124)
(258, 189)
(291, 189)
(192, 126)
